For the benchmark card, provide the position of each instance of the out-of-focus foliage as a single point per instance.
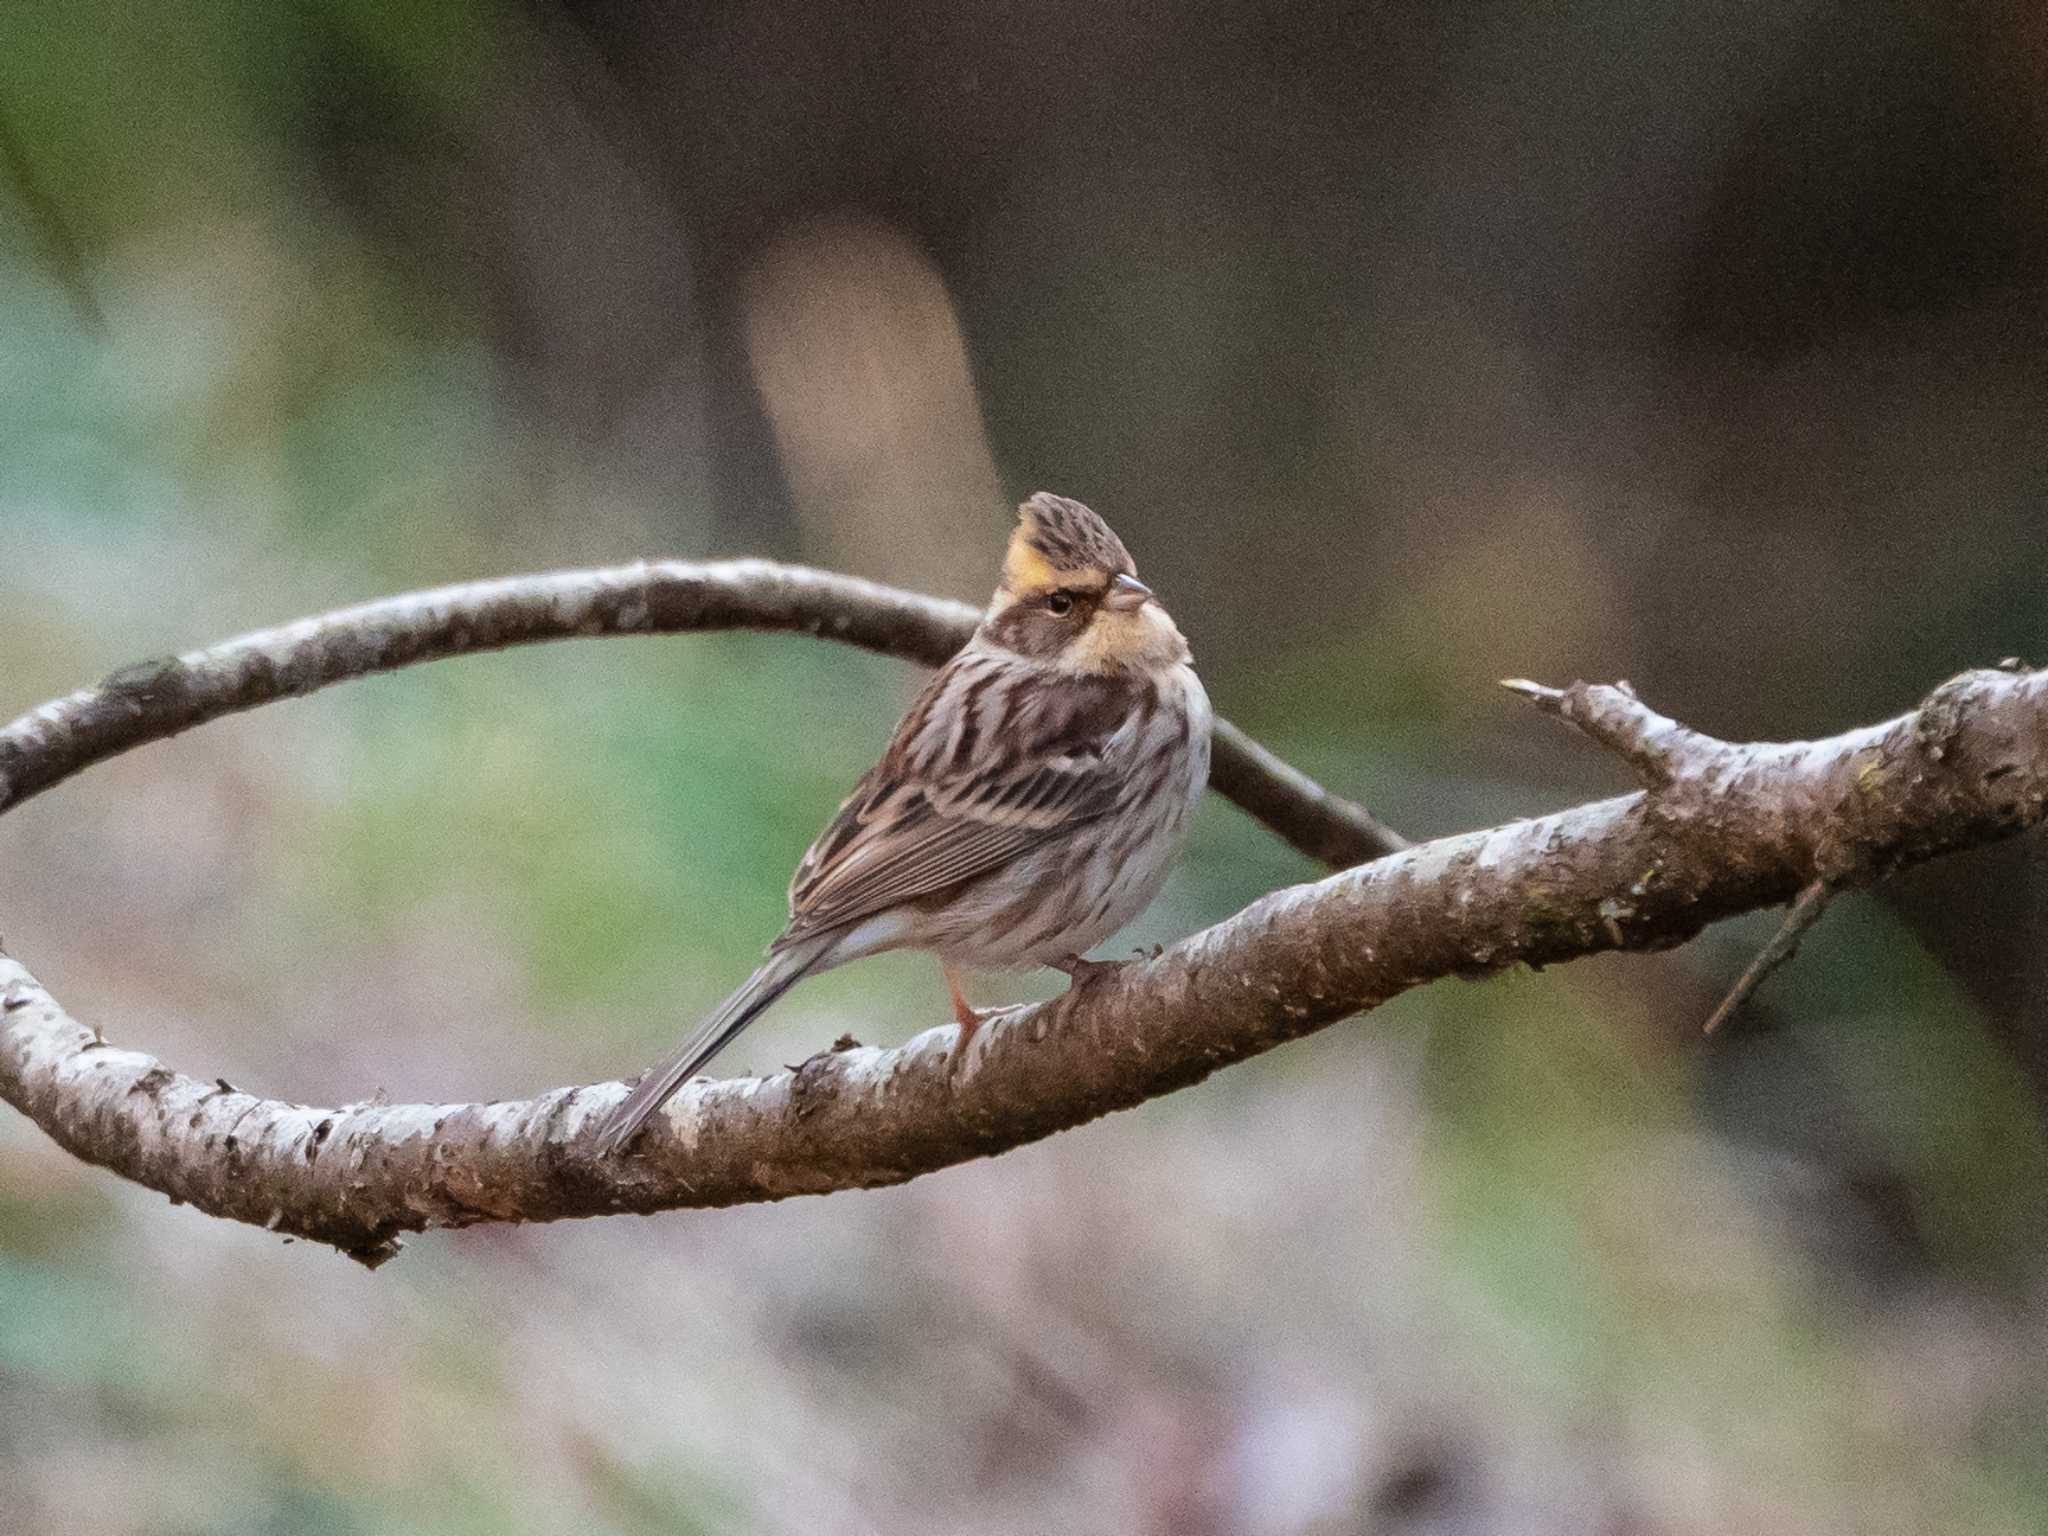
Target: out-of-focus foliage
(1408, 347)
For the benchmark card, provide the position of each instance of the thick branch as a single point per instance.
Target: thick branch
(1736, 828)
(155, 699)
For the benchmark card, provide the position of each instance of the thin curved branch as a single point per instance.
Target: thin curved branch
(156, 699)
(1730, 828)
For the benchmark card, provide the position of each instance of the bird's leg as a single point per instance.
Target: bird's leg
(1080, 972)
(963, 1015)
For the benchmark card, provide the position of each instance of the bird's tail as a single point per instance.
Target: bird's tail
(777, 974)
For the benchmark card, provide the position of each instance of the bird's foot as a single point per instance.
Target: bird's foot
(967, 1017)
(1081, 972)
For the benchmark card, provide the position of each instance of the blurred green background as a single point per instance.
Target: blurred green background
(1409, 348)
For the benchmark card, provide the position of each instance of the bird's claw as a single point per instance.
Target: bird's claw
(1081, 972)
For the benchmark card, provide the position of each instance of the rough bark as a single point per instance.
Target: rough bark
(1721, 828)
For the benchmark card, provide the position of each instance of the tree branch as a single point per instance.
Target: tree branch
(156, 699)
(1728, 828)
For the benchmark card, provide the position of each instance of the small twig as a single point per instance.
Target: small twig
(1659, 749)
(1784, 945)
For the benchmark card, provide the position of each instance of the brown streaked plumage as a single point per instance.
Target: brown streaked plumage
(1028, 805)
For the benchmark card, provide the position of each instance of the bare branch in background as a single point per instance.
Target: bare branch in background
(156, 699)
(1726, 828)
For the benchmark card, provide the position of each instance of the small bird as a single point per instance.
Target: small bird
(1028, 806)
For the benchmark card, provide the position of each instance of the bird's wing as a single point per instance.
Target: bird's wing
(953, 799)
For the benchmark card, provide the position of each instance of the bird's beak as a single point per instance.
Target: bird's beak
(1126, 593)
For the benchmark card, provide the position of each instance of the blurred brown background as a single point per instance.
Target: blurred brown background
(1408, 347)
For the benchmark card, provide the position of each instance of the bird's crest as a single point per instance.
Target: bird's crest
(1060, 542)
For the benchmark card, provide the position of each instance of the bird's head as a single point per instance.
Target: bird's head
(1070, 596)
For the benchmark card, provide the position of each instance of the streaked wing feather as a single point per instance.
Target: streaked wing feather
(944, 853)
(912, 828)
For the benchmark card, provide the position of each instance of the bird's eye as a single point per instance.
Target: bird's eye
(1060, 604)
